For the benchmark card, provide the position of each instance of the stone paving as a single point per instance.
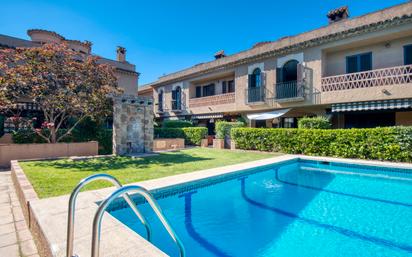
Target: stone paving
(15, 237)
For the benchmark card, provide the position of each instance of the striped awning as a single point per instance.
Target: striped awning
(207, 116)
(372, 105)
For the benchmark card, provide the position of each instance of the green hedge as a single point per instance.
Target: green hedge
(223, 128)
(103, 136)
(192, 135)
(314, 123)
(28, 136)
(177, 124)
(391, 143)
(2, 119)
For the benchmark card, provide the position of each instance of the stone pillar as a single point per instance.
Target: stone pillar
(132, 125)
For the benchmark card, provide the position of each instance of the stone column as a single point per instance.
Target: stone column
(132, 125)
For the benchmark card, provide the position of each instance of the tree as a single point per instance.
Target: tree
(63, 83)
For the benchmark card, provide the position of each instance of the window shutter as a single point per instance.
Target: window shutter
(262, 79)
(407, 52)
(224, 87)
(231, 86)
(366, 62)
(198, 91)
(173, 94)
(300, 72)
(250, 78)
(351, 64)
(279, 75)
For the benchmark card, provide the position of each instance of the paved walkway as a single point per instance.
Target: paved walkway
(15, 237)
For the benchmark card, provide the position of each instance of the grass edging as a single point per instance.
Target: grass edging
(25, 193)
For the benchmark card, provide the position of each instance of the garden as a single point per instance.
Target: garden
(59, 177)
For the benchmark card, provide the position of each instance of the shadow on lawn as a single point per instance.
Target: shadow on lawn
(116, 163)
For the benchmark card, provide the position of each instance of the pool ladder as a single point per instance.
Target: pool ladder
(121, 191)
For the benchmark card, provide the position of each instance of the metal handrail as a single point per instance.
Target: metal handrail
(72, 208)
(149, 198)
(290, 89)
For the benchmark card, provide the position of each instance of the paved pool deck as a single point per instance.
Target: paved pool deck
(117, 239)
(15, 237)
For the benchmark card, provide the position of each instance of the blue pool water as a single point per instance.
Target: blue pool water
(297, 209)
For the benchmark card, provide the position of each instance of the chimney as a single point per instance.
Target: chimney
(220, 54)
(338, 14)
(121, 54)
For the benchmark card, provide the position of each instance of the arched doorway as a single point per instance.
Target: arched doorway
(287, 76)
(290, 71)
(255, 90)
(160, 101)
(177, 98)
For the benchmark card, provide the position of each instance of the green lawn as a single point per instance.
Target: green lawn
(53, 178)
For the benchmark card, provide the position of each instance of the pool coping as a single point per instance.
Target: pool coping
(46, 216)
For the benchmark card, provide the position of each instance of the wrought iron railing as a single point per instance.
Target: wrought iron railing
(255, 94)
(176, 105)
(160, 107)
(365, 79)
(290, 89)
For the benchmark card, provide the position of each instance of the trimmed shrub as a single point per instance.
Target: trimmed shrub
(390, 144)
(192, 135)
(2, 119)
(103, 136)
(177, 124)
(223, 128)
(314, 123)
(28, 136)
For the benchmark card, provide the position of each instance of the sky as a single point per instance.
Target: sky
(164, 36)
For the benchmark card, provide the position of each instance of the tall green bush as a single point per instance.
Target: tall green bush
(192, 135)
(2, 119)
(319, 122)
(223, 128)
(177, 124)
(391, 143)
(103, 136)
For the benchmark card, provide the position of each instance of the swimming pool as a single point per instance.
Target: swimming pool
(298, 208)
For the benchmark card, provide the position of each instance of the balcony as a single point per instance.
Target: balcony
(373, 78)
(289, 91)
(255, 95)
(212, 100)
(176, 106)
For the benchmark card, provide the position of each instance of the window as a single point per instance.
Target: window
(359, 62)
(228, 86)
(260, 124)
(289, 123)
(407, 54)
(255, 78)
(209, 90)
(177, 99)
(224, 87)
(290, 71)
(231, 86)
(160, 101)
(198, 91)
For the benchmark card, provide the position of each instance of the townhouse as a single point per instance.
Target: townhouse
(355, 71)
(127, 76)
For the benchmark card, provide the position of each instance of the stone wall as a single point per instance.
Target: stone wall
(132, 125)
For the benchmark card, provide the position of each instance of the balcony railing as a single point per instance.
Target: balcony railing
(159, 108)
(212, 100)
(289, 90)
(255, 95)
(365, 79)
(176, 106)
